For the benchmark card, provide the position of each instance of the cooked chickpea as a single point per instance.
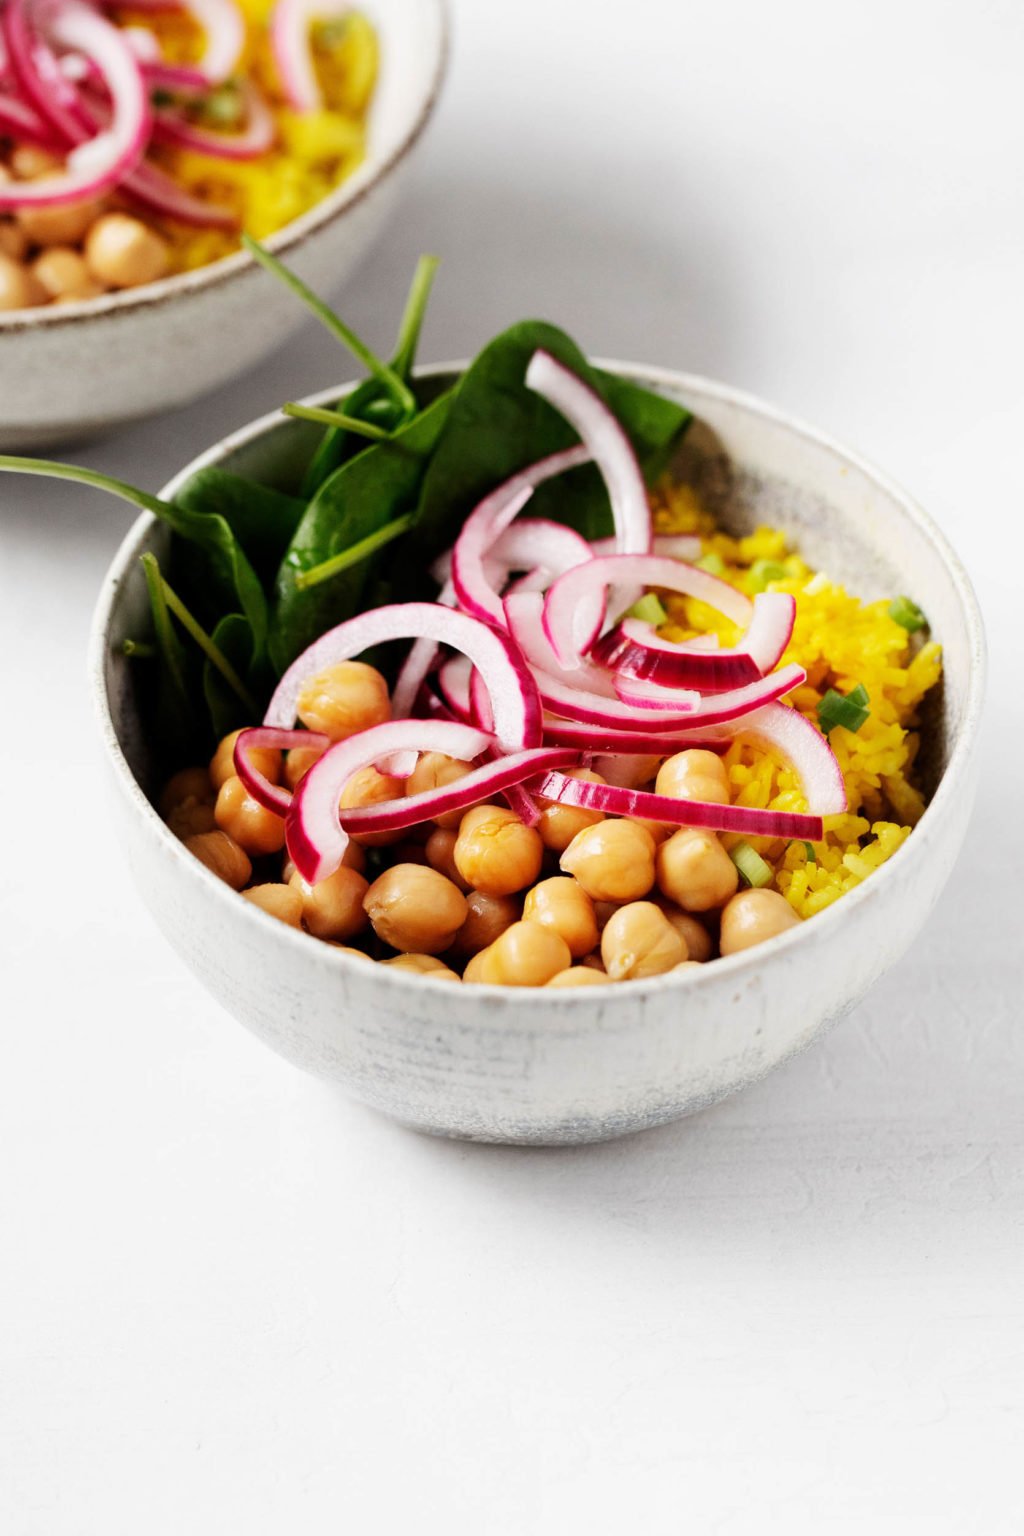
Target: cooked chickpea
(13, 240)
(440, 855)
(562, 905)
(640, 941)
(594, 962)
(352, 858)
(333, 908)
(281, 901)
(368, 787)
(525, 955)
(694, 775)
(64, 275)
(187, 784)
(474, 970)
(413, 908)
(297, 764)
(580, 976)
(222, 764)
(487, 917)
(18, 288)
(699, 943)
(122, 252)
(58, 226)
(222, 855)
(344, 699)
(751, 917)
(559, 824)
(613, 861)
(424, 965)
(434, 771)
(252, 826)
(695, 871)
(496, 852)
(686, 965)
(29, 161)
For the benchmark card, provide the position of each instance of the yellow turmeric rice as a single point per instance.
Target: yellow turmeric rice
(841, 642)
(315, 151)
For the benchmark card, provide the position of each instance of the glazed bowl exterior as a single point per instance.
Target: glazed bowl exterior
(71, 371)
(545, 1066)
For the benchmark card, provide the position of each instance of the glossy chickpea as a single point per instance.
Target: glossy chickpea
(122, 252)
(64, 275)
(525, 955)
(439, 852)
(18, 288)
(297, 764)
(413, 908)
(280, 901)
(474, 970)
(496, 852)
(594, 962)
(640, 941)
(752, 917)
(699, 943)
(30, 161)
(562, 905)
(252, 826)
(341, 700)
(333, 908)
(13, 240)
(433, 771)
(559, 824)
(613, 861)
(695, 871)
(580, 976)
(694, 775)
(352, 858)
(487, 917)
(368, 787)
(222, 856)
(686, 965)
(423, 965)
(186, 803)
(57, 226)
(222, 764)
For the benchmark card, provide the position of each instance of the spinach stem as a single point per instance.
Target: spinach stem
(387, 375)
(141, 650)
(412, 318)
(208, 646)
(355, 552)
(82, 476)
(167, 640)
(336, 419)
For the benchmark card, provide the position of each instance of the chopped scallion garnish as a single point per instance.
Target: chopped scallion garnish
(764, 571)
(907, 614)
(751, 865)
(713, 563)
(812, 857)
(846, 709)
(649, 609)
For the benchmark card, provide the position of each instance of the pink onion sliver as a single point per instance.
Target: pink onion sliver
(643, 715)
(253, 140)
(315, 837)
(674, 546)
(636, 649)
(290, 25)
(273, 797)
(453, 680)
(493, 778)
(608, 444)
(148, 185)
(523, 615)
(506, 676)
(570, 636)
(22, 122)
(576, 733)
(645, 806)
(786, 733)
(416, 666)
(485, 524)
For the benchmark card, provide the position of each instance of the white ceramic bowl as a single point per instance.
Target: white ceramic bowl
(498, 1064)
(74, 370)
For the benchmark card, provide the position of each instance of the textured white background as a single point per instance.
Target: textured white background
(230, 1300)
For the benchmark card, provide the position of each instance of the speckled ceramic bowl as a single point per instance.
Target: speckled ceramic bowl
(497, 1064)
(74, 370)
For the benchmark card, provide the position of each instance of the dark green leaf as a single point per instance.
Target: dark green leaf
(233, 638)
(262, 520)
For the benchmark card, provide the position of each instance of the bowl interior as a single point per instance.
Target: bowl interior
(748, 464)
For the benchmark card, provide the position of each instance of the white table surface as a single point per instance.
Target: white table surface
(231, 1300)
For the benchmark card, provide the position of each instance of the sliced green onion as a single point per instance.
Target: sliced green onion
(712, 563)
(751, 865)
(847, 709)
(648, 608)
(355, 552)
(812, 857)
(907, 614)
(327, 418)
(348, 338)
(764, 571)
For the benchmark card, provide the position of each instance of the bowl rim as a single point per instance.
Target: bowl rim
(353, 190)
(955, 777)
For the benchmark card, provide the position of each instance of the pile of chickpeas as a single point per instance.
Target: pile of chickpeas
(578, 900)
(62, 254)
